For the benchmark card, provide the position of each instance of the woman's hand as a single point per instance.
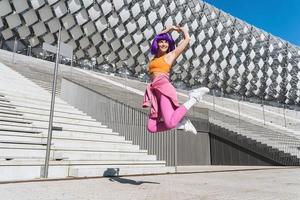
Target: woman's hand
(169, 29)
(179, 29)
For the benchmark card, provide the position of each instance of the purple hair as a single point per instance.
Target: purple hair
(162, 36)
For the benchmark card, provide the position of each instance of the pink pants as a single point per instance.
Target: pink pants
(170, 117)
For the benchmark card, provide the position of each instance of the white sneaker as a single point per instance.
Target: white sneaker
(187, 126)
(198, 93)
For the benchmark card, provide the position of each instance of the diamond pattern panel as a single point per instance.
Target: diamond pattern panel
(224, 53)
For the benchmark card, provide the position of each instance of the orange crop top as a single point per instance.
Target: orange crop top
(159, 65)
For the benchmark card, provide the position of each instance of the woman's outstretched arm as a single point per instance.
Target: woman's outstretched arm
(183, 44)
(173, 55)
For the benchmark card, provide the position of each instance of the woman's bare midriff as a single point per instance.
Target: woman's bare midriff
(153, 75)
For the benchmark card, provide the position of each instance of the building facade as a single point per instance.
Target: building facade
(225, 53)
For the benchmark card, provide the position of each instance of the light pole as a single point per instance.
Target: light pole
(46, 167)
(14, 50)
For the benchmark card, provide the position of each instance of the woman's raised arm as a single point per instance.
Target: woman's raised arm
(173, 55)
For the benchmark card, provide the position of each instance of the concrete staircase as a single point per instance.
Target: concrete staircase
(84, 147)
(283, 141)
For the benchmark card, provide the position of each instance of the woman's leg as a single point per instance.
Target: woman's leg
(155, 125)
(171, 116)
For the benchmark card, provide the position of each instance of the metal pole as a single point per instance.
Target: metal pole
(222, 96)
(71, 68)
(284, 115)
(15, 49)
(239, 110)
(29, 51)
(46, 167)
(72, 60)
(263, 107)
(44, 54)
(214, 103)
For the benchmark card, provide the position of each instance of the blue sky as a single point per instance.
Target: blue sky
(278, 17)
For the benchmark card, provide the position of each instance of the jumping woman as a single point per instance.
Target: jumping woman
(160, 95)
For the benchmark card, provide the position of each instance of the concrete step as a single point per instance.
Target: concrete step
(10, 111)
(15, 85)
(280, 144)
(38, 127)
(73, 155)
(15, 124)
(14, 173)
(59, 121)
(23, 134)
(41, 162)
(57, 115)
(41, 107)
(70, 127)
(88, 136)
(74, 143)
(61, 139)
(117, 149)
(21, 146)
(115, 170)
(16, 77)
(3, 99)
(66, 135)
(264, 135)
(24, 111)
(6, 104)
(19, 129)
(22, 139)
(39, 146)
(29, 91)
(17, 173)
(10, 154)
(29, 96)
(14, 120)
(4, 142)
(33, 117)
(15, 103)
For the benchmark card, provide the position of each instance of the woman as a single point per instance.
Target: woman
(160, 95)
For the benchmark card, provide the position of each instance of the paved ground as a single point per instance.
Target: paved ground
(263, 184)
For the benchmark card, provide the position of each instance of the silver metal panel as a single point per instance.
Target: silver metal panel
(45, 13)
(24, 32)
(30, 17)
(5, 8)
(49, 38)
(39, 28)
(60, 9)
(51, 2)
(87, 3)
(20, 5)
(13, 20)
(89, 28)
(68, 21)
(34, 41)
(54, 25)
(74, 5)
(84, 42)
(76, 32)
(81, 17)
(94, 12)
(7, 34)
(37, 3)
